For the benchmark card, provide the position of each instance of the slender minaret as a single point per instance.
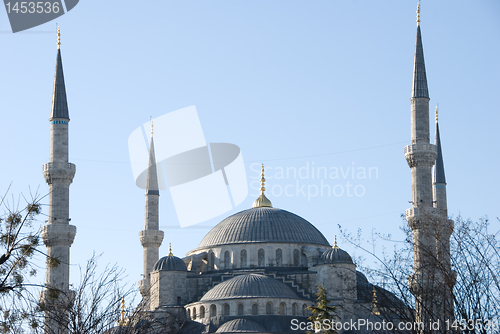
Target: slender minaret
(445, 229)
(58, 234)
(151, 237)
(428, 283)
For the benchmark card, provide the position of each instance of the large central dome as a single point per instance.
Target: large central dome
(263, 224)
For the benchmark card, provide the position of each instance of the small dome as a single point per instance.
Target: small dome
(263, 224)
(241, 326)
(335, 255)
(361, 278)
(249, 286)
(170, 263)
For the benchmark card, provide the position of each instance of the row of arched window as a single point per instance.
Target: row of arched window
(261, 258)
(226, 310)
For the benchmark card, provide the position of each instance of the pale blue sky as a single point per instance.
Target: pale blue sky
(292, 83)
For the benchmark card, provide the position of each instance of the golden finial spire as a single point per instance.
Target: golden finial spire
(437, 113)
(170, 250)
(374, 302)
(151, 120)
(335, 243)
(262, 181)
(418, 14)
(122, 321)
(58, 38)
(262, 201)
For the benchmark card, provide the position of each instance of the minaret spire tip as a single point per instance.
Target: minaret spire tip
(151, 120)
(437, 113)
(58, 38)
(418, 13)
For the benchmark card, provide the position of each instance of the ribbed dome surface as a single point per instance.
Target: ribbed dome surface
(170, 263)
(263, 224)
(240, 326)
(249, 286)
(335, 255)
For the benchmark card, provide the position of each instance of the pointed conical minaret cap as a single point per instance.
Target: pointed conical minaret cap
(262, 201)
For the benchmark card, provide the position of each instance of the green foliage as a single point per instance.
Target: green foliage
(18, 245)
(322, 311)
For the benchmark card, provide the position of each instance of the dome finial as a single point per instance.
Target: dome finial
(170, 250)
(418, 14)
(335, 243)
(374, 302)
(262, 201)
(262, 181)
(58, 38)
(121, 321)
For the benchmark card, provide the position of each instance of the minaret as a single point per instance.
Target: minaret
(428, 283)
(151, 237)
(445, 228)
(58, 234)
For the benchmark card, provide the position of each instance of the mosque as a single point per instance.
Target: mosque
(258, 270)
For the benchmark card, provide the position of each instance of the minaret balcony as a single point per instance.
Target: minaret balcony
(421, 155)
(151, 238)
(62, 171)
(58, 234)
(417, 217)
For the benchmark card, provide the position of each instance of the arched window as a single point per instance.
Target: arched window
(227, 260)
(304, 310)
(255, 309)
(269, 308)
(212, 261)
(304, 260)
(279, 257)
(296, 257)
(261, 257)
(202, 312)
(240, 309)
(189, 314)
(243, 258)
(194, 312)
(179, 300)
(226, 309)
(282, 309)
(213, 310)
(294, 309)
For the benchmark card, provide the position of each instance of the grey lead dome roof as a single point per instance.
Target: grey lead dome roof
(249, 286)
(241, 326)
(335, 255)
(263, 224)
(170, 263)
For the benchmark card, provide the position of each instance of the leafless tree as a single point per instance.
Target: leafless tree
(475, 258)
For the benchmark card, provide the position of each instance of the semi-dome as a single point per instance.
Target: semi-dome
(249, 286)
(263, 224)
(241, 326)
(170, 263)
(335, 255)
